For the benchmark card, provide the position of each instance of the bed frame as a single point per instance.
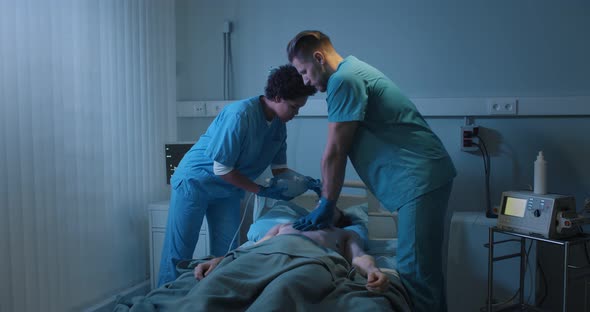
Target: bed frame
(382, 223)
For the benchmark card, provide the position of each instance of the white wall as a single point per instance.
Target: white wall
(457, 48)
(86, 103)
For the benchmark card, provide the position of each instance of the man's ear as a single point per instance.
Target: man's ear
(319, 57)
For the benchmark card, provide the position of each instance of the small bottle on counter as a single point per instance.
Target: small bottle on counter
(540, 186)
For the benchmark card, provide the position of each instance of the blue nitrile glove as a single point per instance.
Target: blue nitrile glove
(314, 185)
(273, 191)
(319, 218)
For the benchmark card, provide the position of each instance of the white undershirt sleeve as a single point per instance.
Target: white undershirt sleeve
(220, 169)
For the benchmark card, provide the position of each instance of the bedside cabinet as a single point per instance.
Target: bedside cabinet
(158, 216)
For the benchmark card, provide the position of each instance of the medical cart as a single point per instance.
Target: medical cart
(566, 245)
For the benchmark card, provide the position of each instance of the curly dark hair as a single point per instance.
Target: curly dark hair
(286, 84)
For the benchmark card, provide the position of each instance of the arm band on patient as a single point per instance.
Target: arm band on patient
(220, 169)
(282, 166)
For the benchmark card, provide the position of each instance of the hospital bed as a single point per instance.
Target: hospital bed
(357, 203)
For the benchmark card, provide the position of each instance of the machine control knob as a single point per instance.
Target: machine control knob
(537, 213)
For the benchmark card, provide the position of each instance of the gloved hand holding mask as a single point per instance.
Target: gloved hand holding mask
(292, 185)
(273, 191)
(295, 183)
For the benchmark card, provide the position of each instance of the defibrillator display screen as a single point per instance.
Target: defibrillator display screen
(514, 206)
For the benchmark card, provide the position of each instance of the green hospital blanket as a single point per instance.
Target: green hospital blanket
(286, 273)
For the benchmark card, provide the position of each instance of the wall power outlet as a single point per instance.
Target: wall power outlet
(469, 139)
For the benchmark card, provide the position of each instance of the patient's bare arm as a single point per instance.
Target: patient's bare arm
(365, 264)
(203, 269)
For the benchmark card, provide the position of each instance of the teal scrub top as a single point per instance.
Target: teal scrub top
(394, 151)
(239, 137)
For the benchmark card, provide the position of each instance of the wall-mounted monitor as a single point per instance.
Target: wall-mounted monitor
(174, 153)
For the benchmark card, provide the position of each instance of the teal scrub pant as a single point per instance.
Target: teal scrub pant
(188, 206)
(419, 255)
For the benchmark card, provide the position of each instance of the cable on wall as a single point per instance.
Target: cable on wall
(471, 141)
(227, 63)
(487, 170)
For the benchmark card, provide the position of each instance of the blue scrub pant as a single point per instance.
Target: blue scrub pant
(189, 204)
(419, 254)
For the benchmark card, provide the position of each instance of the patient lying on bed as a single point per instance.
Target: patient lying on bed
(344, 242)
(286, 270)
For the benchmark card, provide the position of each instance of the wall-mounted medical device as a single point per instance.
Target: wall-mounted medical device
(535, 214)
(174, 153)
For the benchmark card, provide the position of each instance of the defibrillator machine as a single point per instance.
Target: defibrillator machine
(544, 215)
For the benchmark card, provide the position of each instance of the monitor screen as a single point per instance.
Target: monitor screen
(174, 154)
(514, 207)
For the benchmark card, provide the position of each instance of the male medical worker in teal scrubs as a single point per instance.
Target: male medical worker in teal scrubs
(394, 152)
(243, 140)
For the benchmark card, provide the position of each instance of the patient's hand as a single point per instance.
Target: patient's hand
(377, 281)
(203, 269)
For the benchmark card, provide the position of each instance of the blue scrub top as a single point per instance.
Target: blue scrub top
(239, 137)
(394, 150)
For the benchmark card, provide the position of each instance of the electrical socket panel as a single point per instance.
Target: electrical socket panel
(215, 107)
(502, 106)
(468, 138)
(200, 109)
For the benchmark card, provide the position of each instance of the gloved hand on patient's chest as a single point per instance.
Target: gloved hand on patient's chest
(319, 218)
(273, 191)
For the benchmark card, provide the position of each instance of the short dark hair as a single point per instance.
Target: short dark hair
(306, 42)
(286, 83)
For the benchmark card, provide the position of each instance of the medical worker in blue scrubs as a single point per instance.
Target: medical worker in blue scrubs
(394, 152)
(242, 141)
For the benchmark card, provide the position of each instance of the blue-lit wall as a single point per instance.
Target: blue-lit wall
(436, 49)
(430, 49)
